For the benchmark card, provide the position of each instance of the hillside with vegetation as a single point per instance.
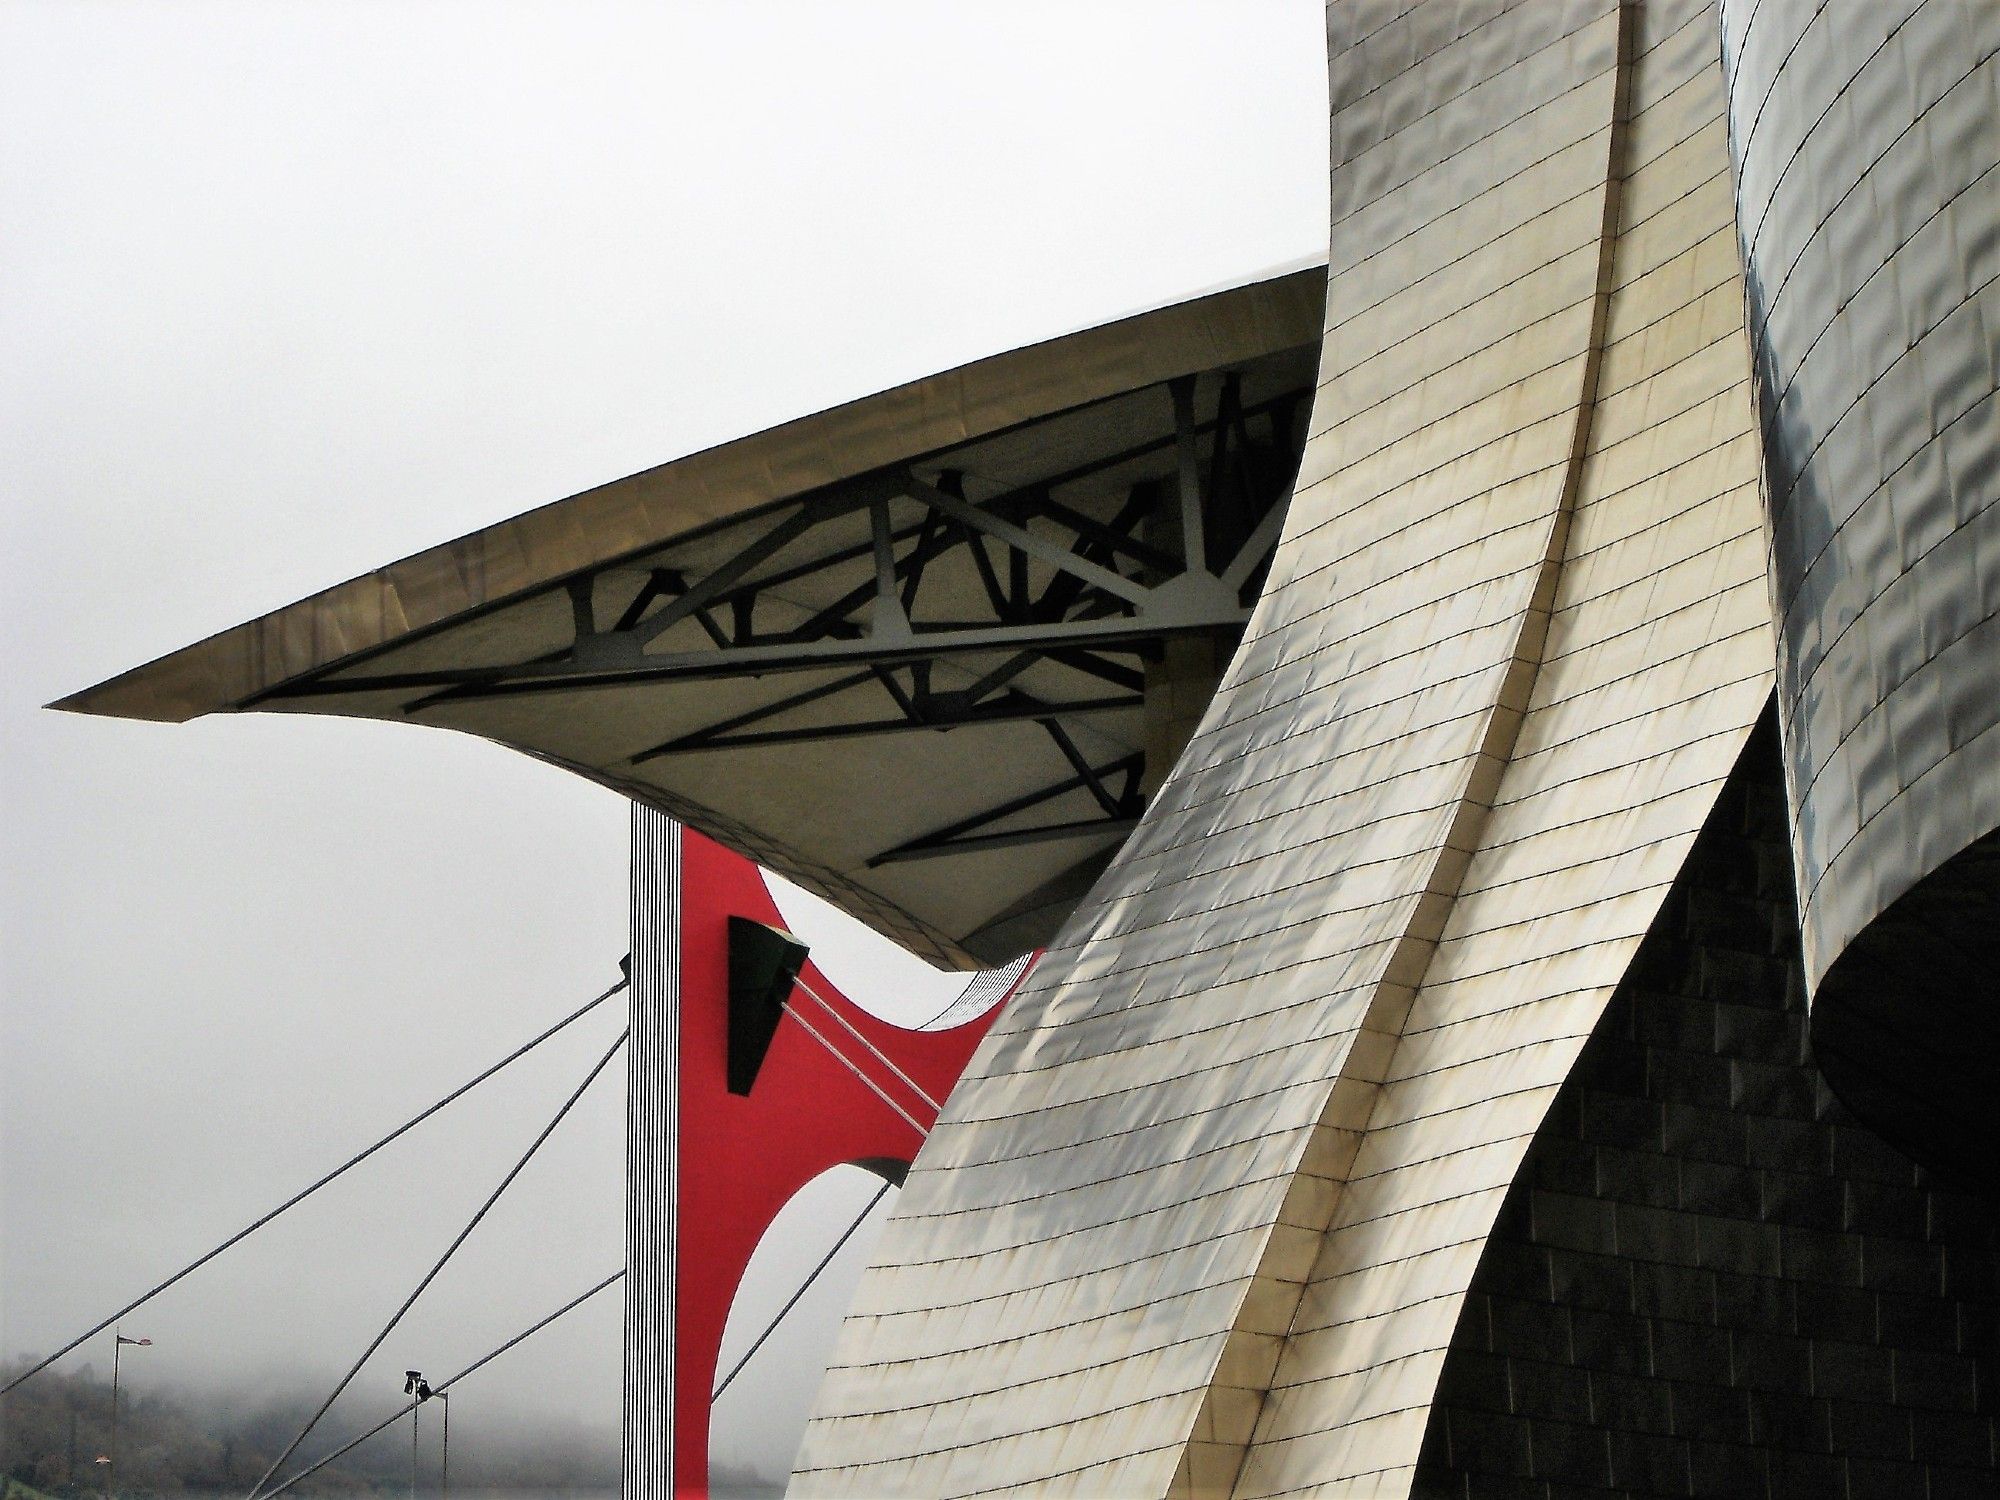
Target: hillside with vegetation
(170, 1443)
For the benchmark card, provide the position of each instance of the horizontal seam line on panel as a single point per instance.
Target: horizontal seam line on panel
(1412, 288)
(1663, 372)
(1074, 1372)
(1826, 651)
(1779, 398)
(1404, 186)
(1402, 73)
(1811, 897)
(1555, 746)
(1458, 100)
(1228, 1105)
(1659, 521)
(1398, 489)
(1436, 517)
(1473, 1018)
(1328, 434)
(1754, 233)
(1193, 1248)
(1807, 461)
(985, 1206)
(1497, 188)
(1596, 602)
(1244, 1060)
(1649, 757)
(1653, 621)
(1407, 336)
(1760, 346)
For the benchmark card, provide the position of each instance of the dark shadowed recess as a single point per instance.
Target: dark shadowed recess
(1906, 1025)
(1709, 1278)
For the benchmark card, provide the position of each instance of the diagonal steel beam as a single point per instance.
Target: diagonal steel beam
(1019, 537)
(939, 838)
(1063, 590)
(910, 568)
(717, 583)
(1011, 838)
(1083, 769)
(1000, 711)
(822, 504)
(1090, 663)
(1111, 538)
(565, 676)
(696, 739)
(1258, 546)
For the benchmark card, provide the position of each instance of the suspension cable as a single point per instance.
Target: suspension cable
(431, 1274)
(848, 1063)
(879, 1055)
(299, 1197)
(772, 1326)
(437, 1390)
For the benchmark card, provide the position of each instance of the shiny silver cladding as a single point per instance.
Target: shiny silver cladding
(1866, 139)
(1200, 1216)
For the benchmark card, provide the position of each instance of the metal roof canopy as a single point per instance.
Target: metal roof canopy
(925, 653)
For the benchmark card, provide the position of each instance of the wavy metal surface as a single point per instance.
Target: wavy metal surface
(1200, 1215)
(1866, 141)
(1656, 663)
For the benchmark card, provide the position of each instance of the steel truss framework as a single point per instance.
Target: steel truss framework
(1097, 596)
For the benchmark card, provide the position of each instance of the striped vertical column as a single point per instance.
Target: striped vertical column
(652, 1164)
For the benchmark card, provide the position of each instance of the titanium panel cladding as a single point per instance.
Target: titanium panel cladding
(1279, 1071)
(1865, 140)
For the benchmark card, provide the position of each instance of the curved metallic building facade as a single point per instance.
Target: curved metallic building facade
(1866, 139)
(1201, 1216)
(1416, 1093)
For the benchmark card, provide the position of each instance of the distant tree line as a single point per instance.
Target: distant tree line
(53, 1428)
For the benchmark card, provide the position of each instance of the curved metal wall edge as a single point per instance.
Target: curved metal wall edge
(1613, 775)
(546, 545)
(1866, 141)
(1112, 1268)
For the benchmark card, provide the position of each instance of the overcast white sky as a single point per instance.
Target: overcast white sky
(291, 290)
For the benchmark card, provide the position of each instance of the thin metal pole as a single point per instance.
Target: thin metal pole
(396, 1416)
(111, 1469)
(444, 1463)
(416, 1415)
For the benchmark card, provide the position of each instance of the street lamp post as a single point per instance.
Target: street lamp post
(415, 1385)
(444, 1457)
(118, 1343)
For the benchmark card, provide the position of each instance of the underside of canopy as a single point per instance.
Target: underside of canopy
(927, 653)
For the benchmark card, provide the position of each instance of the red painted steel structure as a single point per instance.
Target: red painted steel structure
(742, 1158)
